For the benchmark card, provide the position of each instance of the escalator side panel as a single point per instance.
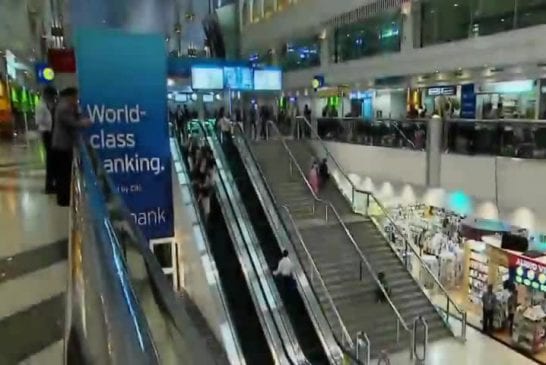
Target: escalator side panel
(253, 342)
(242, 308)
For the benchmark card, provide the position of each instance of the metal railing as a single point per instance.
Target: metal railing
(407, 251)
(104, 322)
(415, 342)
(363, 351)
(229, 336)
(281, 231)
(346, 338)
(363, 259)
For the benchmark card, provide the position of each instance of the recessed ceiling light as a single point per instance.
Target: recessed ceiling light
(456, 5)
(502, 20)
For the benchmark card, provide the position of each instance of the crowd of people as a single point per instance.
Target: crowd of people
(202, 170)
(59, 121)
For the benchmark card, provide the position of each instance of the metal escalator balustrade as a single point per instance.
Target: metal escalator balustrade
(238, 280)
(257, 259)
(104, 322)
(294, 305)
(343, 268)
(174, 333)
(334, 336)
(230, 339)
(366, 204)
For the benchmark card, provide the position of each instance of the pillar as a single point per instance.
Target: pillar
(434, 151)
(324, 39)
(200, 106)
(411, 26)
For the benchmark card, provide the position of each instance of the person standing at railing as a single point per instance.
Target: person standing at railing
(44, 120)
(68, 123)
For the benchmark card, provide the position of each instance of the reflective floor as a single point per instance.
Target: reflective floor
(32, 259)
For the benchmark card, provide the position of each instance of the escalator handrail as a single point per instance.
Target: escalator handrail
(344, 330)
(163, 290)
(276, 205)
(347, 232)
(104, 320)
(285, 327)
(231, 342)
(408, 242)
(262, 299)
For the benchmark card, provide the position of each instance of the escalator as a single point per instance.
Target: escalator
(254, 344)
(251, 336)
(305, 331)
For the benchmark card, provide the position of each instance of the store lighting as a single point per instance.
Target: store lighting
(455, 5)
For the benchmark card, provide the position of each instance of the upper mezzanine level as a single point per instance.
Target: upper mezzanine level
(421, 35)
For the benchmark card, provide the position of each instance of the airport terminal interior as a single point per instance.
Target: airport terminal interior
(273, 182)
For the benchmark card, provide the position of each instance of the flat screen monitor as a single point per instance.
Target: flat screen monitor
(180, 98)
(207, 78)
(238, 78)
(269, 79)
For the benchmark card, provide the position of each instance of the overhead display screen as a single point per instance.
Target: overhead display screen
(270, 79)
(207, 78)
(238, 78)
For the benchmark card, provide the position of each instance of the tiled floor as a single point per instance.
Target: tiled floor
(32, 259)
(476, 350)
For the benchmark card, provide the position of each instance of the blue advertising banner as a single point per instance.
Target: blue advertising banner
(123, 90)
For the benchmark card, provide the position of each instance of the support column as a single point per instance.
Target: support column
(434, 151)
(200, 106)
(411, 26)
(325, 48)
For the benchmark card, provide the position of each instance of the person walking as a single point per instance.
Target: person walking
(488, 303)
(44, 120)
(324, 172)
(284, 270)
(68, 123)
(313, 177)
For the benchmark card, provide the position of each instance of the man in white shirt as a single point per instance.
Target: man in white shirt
(225, 126)
(284, 270)
(44, 121)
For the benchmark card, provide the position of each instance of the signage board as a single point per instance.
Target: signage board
(207, 78)
(122, 90)
(268, 80)
(442, 90)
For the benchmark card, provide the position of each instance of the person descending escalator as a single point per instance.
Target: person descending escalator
(284, 271)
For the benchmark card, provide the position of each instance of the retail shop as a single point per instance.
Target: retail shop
(362, 104)
(467, 254)
(507, 100)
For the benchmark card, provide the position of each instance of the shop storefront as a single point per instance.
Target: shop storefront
(468, 254)
(362, 104)
(507, 100)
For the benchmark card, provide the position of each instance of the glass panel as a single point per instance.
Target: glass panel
(445, 20)
(530, 12)
(381, 34)
(300, 54)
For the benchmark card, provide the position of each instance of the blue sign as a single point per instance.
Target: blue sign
(122, 80)
(468, 101)
(44, 73)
